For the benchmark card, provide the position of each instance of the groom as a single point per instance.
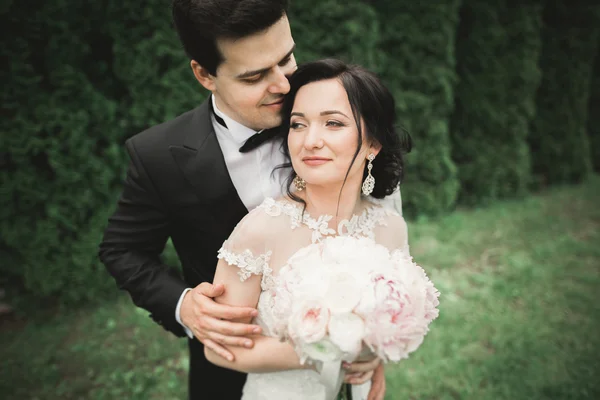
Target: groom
(192, 179)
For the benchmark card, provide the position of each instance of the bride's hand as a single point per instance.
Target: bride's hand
(358, 373)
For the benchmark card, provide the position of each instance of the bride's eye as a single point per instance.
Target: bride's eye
(336, 124)
(295, 125)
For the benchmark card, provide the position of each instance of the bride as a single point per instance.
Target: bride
(338, 123)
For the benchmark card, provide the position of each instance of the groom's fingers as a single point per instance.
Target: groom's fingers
(209, 290)
(377, 391)
(221, 351)
(231, 340)
(358, 378)
(362, 366)
(228, 328)
(222, 311)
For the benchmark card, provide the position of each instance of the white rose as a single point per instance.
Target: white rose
(344, 292)
(346, 331)
(367, 303)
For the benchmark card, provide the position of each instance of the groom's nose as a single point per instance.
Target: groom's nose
(279, 83)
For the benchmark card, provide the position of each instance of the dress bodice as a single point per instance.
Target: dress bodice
(264, 241)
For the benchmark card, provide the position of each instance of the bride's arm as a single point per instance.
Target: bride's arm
(268, 354)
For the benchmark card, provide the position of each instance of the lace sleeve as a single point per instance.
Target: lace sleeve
(394, 233)
(246, 247)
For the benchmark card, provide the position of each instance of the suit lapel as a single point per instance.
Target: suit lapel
(201, 160)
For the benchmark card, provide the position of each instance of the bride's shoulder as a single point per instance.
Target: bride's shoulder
(384, 206)
(270, 214)
(275, 207)
(389, 216)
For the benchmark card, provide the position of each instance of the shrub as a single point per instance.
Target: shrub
(498, 49)
(558, 141)
(418, 41)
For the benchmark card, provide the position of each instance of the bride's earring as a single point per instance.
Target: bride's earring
(369, 183)
(299, 183)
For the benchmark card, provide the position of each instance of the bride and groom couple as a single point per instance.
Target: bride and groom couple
(278, 157)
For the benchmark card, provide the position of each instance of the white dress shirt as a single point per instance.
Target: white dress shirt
(252, 172)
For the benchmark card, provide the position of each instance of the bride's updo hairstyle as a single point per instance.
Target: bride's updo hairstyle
(370, 102)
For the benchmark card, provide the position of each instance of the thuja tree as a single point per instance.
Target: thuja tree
(593, 125)
(348, 30)
(558, 140)
(81, 78)
(498, 48)
(418, 41)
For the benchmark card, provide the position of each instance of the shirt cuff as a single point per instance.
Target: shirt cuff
(178, 317)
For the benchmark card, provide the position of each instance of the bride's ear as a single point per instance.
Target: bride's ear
(374, 147)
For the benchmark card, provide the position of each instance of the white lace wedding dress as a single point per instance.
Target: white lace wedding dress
(263, 242)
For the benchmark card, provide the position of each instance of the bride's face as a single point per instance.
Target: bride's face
(323, 135)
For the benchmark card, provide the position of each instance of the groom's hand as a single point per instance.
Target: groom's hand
(377, 391)
(211, 322)
(358, 373)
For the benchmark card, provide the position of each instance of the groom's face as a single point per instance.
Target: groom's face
(252, 80)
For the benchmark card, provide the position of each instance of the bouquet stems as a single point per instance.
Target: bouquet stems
(345, 392)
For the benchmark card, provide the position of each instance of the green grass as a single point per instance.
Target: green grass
(519, 318)
(519, 314)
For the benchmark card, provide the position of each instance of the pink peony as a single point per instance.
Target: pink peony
(308, 324)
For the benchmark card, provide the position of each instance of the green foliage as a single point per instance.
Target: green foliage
(346, 30)
(558, 140)
(593, 126)
(418, 42)
(498, 48)
(82, 77)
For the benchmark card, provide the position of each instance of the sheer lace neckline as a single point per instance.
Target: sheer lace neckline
(361, 224)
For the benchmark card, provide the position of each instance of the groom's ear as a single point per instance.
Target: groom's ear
(203, 76)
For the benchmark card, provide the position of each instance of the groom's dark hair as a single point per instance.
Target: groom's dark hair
(199, 23)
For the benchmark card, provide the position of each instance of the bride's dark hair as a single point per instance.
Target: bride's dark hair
(372, 103)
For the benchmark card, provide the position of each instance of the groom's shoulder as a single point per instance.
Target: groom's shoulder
(163, 134)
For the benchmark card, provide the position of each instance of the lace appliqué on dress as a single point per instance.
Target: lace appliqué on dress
(364, 225)
(358, 226)
(249, 264)
(319, 226)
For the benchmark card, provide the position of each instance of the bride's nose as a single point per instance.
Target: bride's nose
(313, 138)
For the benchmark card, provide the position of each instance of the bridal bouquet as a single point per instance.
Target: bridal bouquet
(347, 297)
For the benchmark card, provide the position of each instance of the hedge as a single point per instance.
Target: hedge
(418, 42)
(558, 140)
(82, 78)
(498, 48)
(593, 125)
(348, 30)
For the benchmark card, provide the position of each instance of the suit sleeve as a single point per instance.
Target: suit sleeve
(133, 241)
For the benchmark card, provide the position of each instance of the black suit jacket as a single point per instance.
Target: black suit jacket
(177, 186)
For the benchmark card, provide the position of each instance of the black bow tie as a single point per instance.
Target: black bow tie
(255, 140)
(258, 139)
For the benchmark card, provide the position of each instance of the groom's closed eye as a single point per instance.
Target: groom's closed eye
(260, 76)
(285, 61)
(254, 79)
